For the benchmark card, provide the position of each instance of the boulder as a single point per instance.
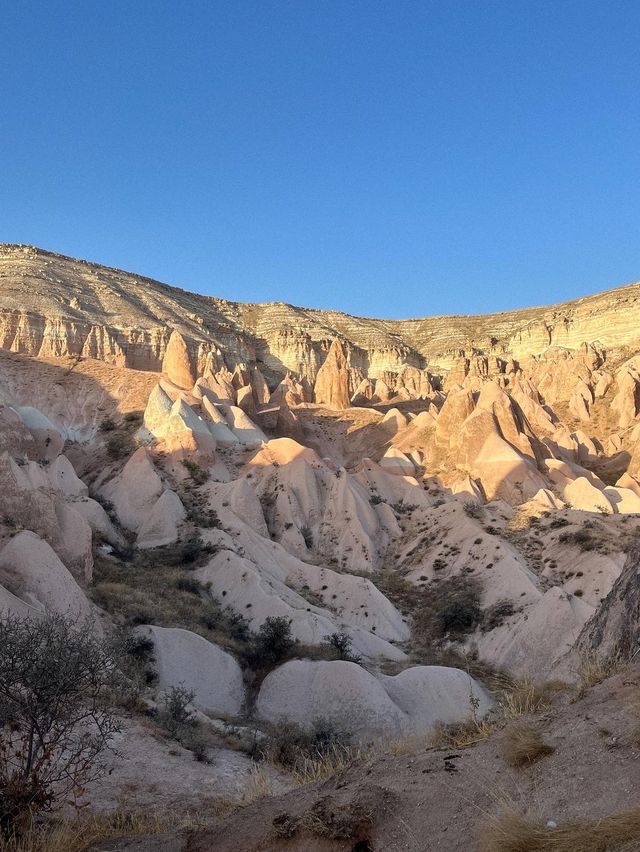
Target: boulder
(396, 462)
(218, 424)
(366, 706)
(536, 643)
(243, 427)
(340, 692)
(431, 694)
(135, 490)
(186, 659)
(63, 478)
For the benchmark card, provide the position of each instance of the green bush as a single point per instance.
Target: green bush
(272, 643)
(341, 644)
(181, 723)
(450, 607)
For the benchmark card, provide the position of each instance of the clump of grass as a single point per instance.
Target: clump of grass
(523, 744)
(78, 835)
(463, 735)
(583, 538)
(310, 755)
(257, 787)
(472, 510)
(518, 697)
(513, 832)
(593, 669)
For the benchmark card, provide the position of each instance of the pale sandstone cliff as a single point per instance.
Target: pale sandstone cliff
(52, 305)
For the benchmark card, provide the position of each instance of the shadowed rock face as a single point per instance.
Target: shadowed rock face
(615, 627)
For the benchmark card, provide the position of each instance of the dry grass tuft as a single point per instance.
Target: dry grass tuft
(258, 786)
(78, 835)
(463, 735)
(335, 759)
(516, 698)
(593, 670)
(522, 745)
(515, 833)
(410, 744)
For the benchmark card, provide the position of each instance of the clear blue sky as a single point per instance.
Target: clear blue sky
(382, 157)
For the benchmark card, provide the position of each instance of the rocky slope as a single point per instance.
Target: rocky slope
(423, 504)
(55, 305)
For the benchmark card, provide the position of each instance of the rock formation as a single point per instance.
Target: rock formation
(393, 502)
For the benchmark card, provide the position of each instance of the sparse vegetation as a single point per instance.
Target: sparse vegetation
(156, 594)
(519, 696)
(522, 744)
(198, 474)
(462, 735)
(450, 607)
(513, 832)
(472, 510)
(495, 615)
(83, 832)
(56, 714)
(594, 668)
(310, 754)
(177, 717)
(342, 645)
(583, 539)
(120, 445)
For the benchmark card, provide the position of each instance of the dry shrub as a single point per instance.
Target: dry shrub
(463, 735)
(523, 744)
(78, 835)
(516, 698)
(312, 769)
(515, 833)
(310, 755)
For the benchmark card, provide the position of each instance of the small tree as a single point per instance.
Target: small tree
(57, 681)
(341, 644)
(273, 642)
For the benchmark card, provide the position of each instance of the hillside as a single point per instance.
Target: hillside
(51, 304)
(348, 557)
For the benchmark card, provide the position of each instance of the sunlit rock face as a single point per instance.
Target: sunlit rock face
(330, 470)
